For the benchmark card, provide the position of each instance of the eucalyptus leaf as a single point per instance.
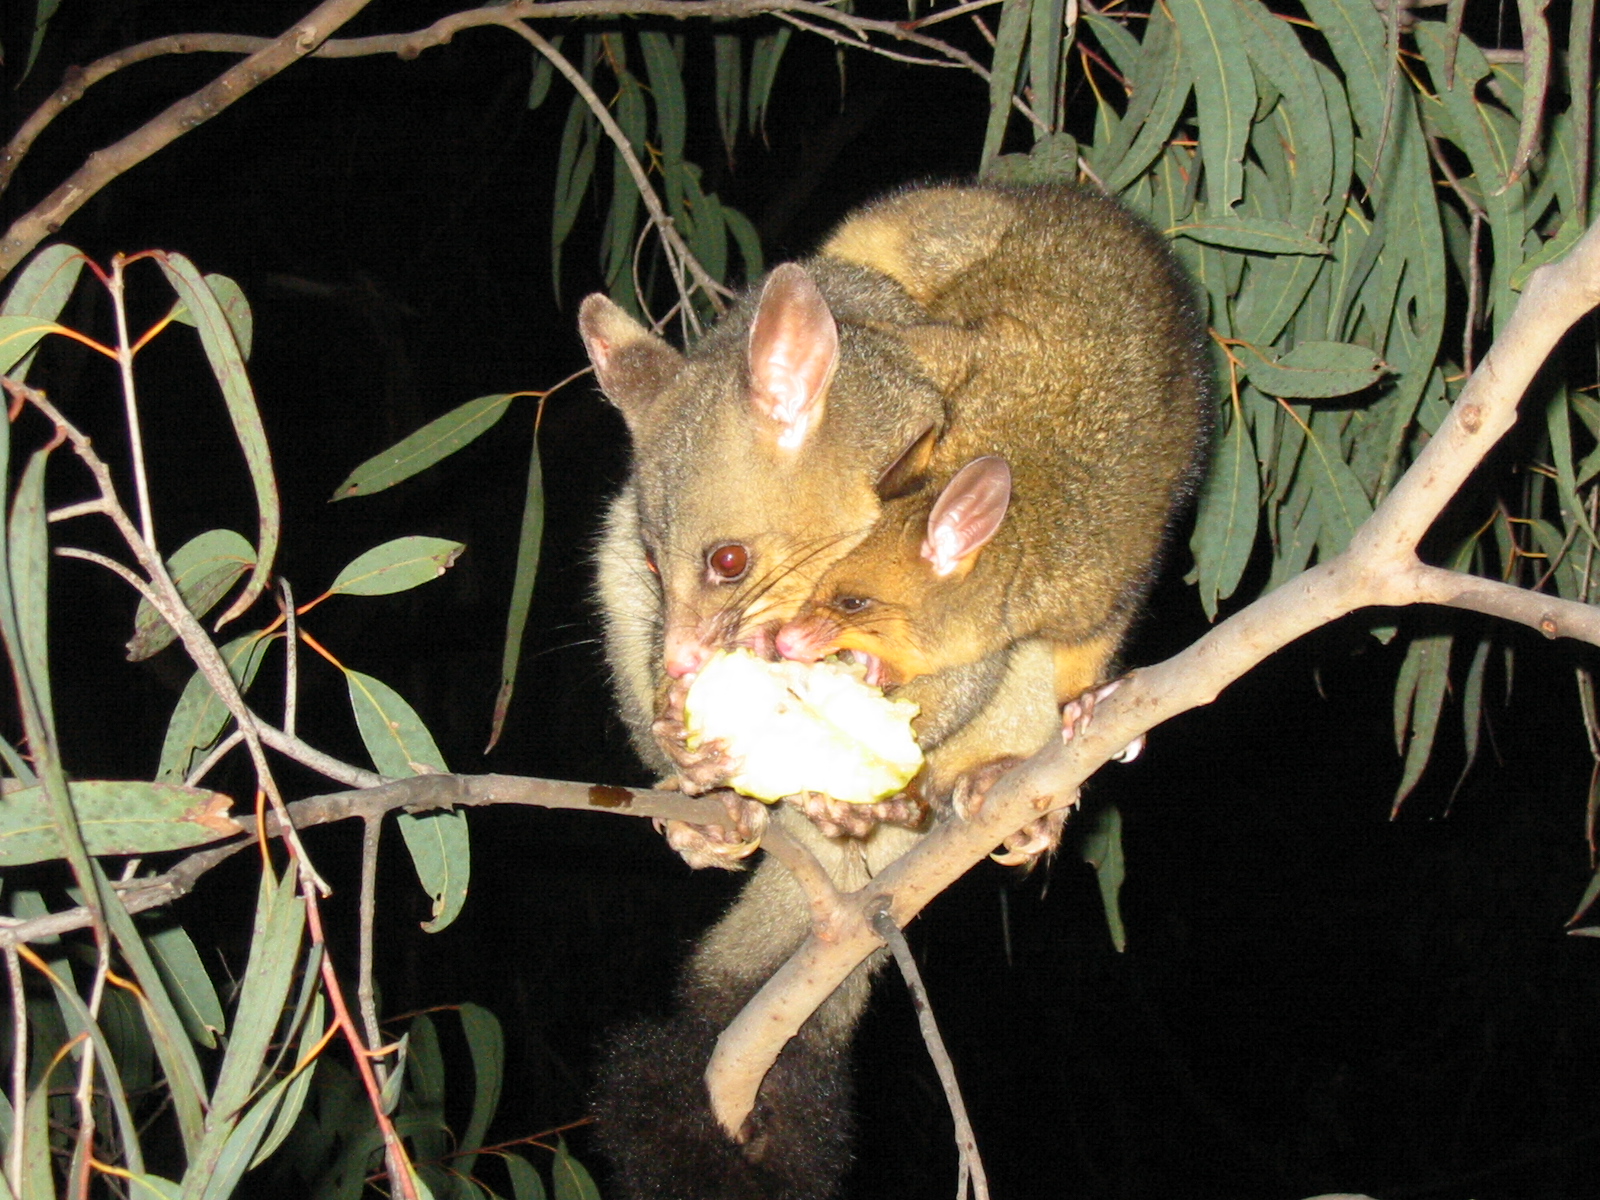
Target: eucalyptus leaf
(396, 566)
(203, 568)
(436, 440)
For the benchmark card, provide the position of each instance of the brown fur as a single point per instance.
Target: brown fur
(1042, 324)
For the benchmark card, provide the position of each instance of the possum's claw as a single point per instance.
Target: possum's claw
(1033, 841)
(721, 846)
(839, 818)
(1076, 716)
(1028, 844)
(703, 769)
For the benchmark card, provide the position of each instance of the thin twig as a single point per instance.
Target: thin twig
(966, 1140)
(19, 1067)
(291, 661)
(371, 832)
(713, 290)
(130, 403)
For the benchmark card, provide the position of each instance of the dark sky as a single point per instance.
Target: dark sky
(1315, 998)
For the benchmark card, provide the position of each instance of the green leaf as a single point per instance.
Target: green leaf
(153, 1187)
(425, 1101)
(35, 302)
(297, 1083)
(234, 306)
(575, 161)
(395, 737)
(1102, 850)
(1047, 31)
(436, 440)
(544, 74)
(441, 852)
(1313, 370)
(400, 745)
(528, 542)
(765, 55)
(728, 57)
(1302, 115)
(666, 86)
(1356, 34)
(1472, 705)
(188, 983)
(1558, 422)
(204, 568)
(224, 354)
(622, 221)
(200, 715)
(1272, 292)
(1005, 67)
(1230, 508)
(1342, 505)
(571, 1180)
(274, 953)
(487, 1044)
(1418, 698)
(1486, 135)
(179, 1063)
(79, 1021)
(1260, 234)
(1214, 55)
(746, 238)
(239, 1150)
(525, 1181)
(43, 11)
(1160, 91)
(397, 566)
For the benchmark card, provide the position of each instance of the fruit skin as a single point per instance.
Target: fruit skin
(794, 727)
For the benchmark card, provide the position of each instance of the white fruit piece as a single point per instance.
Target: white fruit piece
(802, 727)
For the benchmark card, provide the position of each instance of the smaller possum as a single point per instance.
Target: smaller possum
(1078, 414)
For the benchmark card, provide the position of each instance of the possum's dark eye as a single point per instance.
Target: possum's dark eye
(728, 562)
(852, 605)
(650, 561)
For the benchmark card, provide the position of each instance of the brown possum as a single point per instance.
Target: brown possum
(820, 414)
(1077, 415)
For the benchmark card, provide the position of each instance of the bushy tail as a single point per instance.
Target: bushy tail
(657, 1129)
(655, 1122)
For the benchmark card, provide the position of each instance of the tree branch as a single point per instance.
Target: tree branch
(420, 793)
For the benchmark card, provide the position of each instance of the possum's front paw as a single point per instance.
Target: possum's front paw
(1077, 715)
(706, 767)
(723, 846)
(840, 818)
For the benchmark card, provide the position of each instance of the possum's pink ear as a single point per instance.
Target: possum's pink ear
(794, 347)
(967, 514)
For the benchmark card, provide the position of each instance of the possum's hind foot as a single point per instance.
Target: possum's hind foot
(722, 846)
(1077, 715)
(1028, 844)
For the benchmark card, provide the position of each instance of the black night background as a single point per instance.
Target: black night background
(1316, 996)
